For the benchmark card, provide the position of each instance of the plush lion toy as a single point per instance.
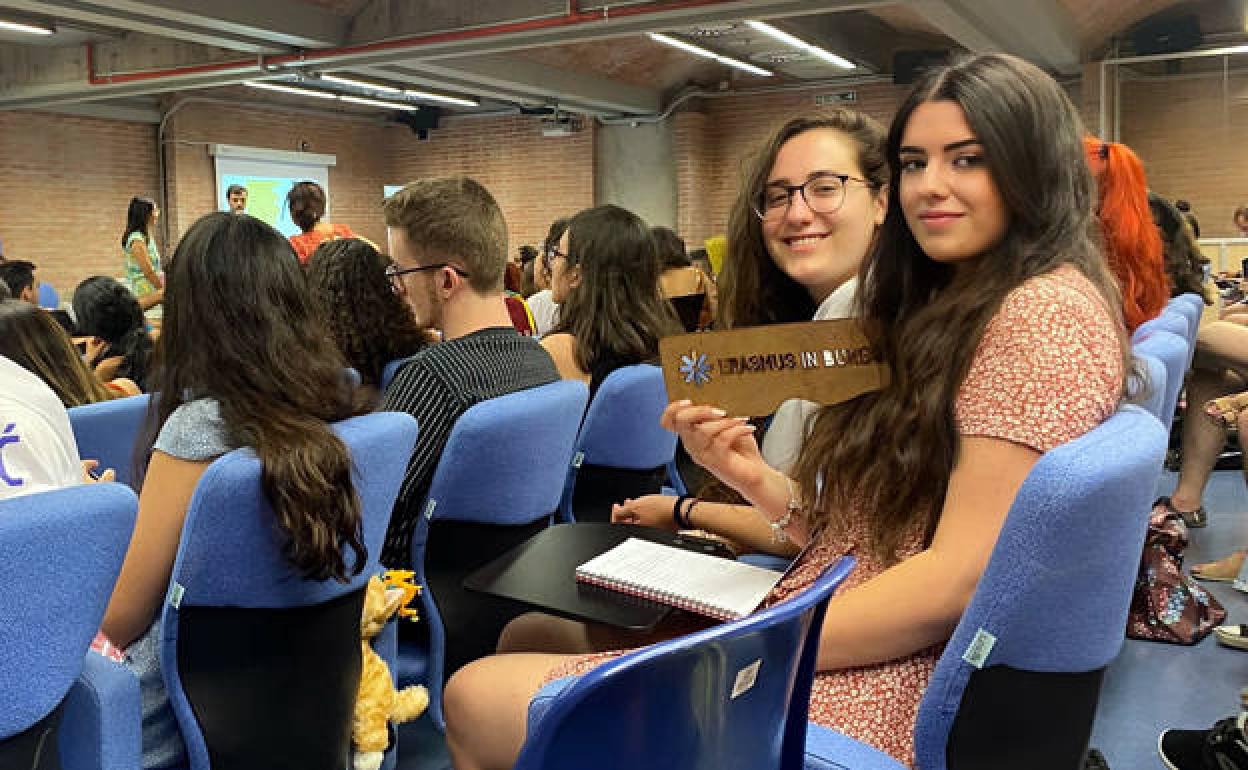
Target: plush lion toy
(377, 701)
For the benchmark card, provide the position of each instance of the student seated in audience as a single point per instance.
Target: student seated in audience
(30, 337)
(1185, 208)
(1132, 245)
(119, 344)
(448, 241)
(141, 257)
(528, 271)
(18, 277)
(681, 281)
(221, 390)
(542, 304)
(605, 277)
(699, 259)
(37, 448)
(1186, 266)
(1002, 325)
(306, 201)
(773, 273)
(1241, 221)
(370, 322)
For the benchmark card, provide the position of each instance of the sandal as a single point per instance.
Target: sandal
(1193, 519)
(1233, 636)
(1220, 571)
(1225, 411)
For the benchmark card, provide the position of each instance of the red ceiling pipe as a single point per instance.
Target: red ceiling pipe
(572, 18)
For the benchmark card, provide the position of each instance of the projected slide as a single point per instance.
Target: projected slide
(266, 199)
(268, 176)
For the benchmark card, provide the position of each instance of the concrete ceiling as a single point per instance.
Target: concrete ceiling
(526, 54)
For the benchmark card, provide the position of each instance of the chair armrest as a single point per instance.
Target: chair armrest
(543, 699)
(102, 725)
(829, 750)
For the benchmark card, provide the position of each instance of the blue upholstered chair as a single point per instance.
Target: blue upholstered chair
(107, 431)
(733, 696)
(62, 551)
(48, 296)
(262, 665)
(1017, 685)
(621, 450)
(1169, 322)
(497, 484)
(102, 728)
(391, 369)
(1190, 306)
(1154, 397)
(1172, 351)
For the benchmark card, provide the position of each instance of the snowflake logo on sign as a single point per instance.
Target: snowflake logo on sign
(695, 368)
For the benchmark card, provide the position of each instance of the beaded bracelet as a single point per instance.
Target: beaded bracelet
(778, 527)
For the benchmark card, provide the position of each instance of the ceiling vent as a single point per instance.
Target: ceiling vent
(712, 30)
(780, 56)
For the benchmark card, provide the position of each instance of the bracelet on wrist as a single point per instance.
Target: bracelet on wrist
(778, 526)
(686, 522)
(676, 519)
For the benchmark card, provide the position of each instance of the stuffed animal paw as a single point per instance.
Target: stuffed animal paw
(377, 702)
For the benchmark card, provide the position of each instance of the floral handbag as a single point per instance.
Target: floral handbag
(1167, 605)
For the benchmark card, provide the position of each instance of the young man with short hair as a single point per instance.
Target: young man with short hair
(236, 197)
(19, 276)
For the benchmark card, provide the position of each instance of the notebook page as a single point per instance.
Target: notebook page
(733, 587)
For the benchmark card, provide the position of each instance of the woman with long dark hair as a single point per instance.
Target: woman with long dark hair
(371, 325)
(142, 256)
(31, 338)
(605, 278)
(990, 302)
(108, 313)
(244, 360)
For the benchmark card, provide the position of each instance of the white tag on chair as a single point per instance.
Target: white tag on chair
(429, 506)
(577, 459)
(745, 679)
(175, 595)
(979, 649)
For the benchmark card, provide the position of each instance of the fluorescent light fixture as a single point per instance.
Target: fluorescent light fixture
(346, 81)
(30, 29)
(458, 100)
(289, 89)
(699, 51)
(787, 39)
(378, 103)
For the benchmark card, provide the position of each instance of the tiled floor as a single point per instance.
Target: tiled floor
(1153, 686)
(1150, 687)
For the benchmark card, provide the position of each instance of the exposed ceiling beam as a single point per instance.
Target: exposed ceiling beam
(1038, 30)
(274, 26)
(541, 82)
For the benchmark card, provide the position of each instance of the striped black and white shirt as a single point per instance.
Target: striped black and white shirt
(439, 385)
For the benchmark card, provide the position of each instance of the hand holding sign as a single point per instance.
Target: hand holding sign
(723, 445)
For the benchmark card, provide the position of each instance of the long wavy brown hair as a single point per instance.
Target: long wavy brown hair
(752, 290)
(888, 456)
(371, 324)
(240, 327)
(31, 338)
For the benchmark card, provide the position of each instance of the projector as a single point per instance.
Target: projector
(560, 125)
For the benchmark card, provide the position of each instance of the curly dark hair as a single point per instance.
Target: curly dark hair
(371, 324)
(105, 308)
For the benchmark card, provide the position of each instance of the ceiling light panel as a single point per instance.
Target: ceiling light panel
(700, 51)
(26, 27)
(801, 45)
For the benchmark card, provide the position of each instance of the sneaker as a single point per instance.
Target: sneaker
(1221, 747)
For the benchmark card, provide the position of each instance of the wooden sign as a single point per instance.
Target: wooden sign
(750, 372)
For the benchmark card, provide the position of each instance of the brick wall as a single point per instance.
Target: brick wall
(68, 181)
(1192, 142)
(535, 179)
(355, 183)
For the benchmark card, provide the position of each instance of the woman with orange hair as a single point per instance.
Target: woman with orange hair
(1132, 243)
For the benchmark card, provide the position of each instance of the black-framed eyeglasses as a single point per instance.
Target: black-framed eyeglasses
(394, 273)
(823, 194)
(551, 254)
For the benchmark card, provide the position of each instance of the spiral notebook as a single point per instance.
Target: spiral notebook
(708, 585)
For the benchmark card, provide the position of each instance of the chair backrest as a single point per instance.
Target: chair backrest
(48, 297)
(1172, 351)
(1190, 310)
(498, 480)
(621, 451)
(391, 369)
(108, 431)
(1154, 397)
(262, 665)
(1169, 322)
(1050, 610)
(62, 551)
(733, 696)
